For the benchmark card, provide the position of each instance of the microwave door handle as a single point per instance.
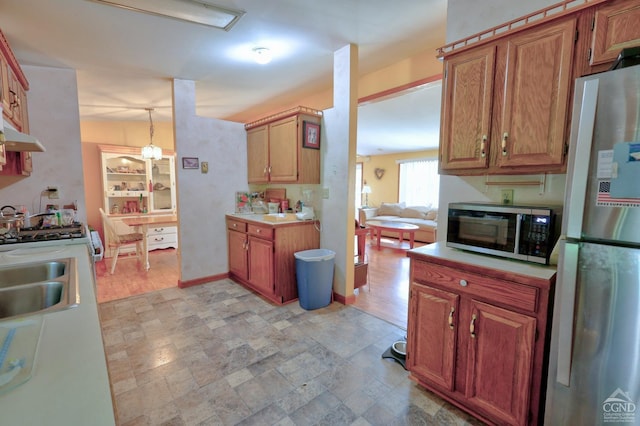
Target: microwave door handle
(516, 249)
(567, 276)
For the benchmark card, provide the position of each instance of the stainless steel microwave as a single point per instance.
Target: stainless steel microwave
(526, 233)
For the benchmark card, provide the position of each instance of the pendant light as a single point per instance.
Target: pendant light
(151, 152)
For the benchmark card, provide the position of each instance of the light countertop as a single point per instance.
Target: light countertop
(440, 251)
(276, 218)
(69, 383)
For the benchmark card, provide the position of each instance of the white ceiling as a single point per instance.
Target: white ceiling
(125, 60)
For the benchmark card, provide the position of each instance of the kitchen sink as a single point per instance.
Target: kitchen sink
(39, 287)
(24, 274)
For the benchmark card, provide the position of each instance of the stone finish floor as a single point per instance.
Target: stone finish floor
(217, 354)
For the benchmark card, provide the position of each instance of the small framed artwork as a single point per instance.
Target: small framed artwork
(190, 163)
(310, 135)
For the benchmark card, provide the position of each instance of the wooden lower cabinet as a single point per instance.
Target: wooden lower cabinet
(261, 255)
(478, 338)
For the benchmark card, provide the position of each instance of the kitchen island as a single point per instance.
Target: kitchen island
(261, 249)
(69, 383)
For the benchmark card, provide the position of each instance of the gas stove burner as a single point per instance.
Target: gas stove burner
(50, 233)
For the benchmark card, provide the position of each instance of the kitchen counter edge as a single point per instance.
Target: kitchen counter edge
(70, 382)
(497, 267)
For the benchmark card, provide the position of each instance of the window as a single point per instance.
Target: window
(419, 182)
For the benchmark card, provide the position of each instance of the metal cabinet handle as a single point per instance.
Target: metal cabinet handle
(463, 283)
(158, 229)
(451, 317)
(258, 231)
(483, 145)
(264, 171)
(235, 225)
(158, 239)
(472, 326)
(269, 169)
(505, 136)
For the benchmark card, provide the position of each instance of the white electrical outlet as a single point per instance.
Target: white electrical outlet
(52, 192)
(325, 192)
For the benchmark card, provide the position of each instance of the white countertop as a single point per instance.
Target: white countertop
(255, 217)
(69, 383)
(440, 250)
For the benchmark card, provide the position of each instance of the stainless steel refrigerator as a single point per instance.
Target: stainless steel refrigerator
(594, 358)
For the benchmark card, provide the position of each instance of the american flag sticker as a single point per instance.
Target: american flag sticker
(604, 198)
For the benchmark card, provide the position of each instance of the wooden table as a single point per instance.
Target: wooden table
(142, 222)
(377, 226)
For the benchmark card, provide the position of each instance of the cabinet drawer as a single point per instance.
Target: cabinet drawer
(161, 230)
(161, 239)
(261, 231)
(487, 288)
(236, 225)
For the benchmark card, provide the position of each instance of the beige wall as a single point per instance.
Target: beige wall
(125, 133)
(415, 68)
(386, 188)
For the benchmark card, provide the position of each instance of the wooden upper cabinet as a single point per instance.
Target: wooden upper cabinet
(283, 152)
(258, 154)
(506, 104)
(275, 152)
(616, 25)
(536, 99)
(466, 106)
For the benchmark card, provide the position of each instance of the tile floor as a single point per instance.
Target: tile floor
(217, 354)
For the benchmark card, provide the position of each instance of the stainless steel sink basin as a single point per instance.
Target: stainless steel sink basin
(39, 287)
(24, 274)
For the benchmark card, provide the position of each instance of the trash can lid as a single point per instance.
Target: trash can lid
(315, 255)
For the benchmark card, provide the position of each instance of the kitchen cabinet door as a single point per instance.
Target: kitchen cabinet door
(501, 349)
(615, 27)
(258, 154)
(163, 185)
(505, 105)
(261, 265)
(432, 327)
(466, 109)
(283, 150)
(238, 255)
(536, 99)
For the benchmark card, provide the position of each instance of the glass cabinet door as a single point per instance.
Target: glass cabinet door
(162, 185)
(125, 177)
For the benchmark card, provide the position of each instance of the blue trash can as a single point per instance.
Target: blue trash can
(314, 273)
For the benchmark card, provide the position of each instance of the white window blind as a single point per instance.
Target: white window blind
(419, 182)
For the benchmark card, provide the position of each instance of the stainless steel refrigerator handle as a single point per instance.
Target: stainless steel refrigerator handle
(580, 165)
(568, 275)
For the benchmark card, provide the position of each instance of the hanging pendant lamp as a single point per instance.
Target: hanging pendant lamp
(151, 152)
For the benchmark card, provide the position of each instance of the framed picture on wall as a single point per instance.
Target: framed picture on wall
(310, 135)
(190, 163)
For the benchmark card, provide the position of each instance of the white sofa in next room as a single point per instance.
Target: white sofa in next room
(423, 216)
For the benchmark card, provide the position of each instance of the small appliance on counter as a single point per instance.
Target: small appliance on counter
(526, 233)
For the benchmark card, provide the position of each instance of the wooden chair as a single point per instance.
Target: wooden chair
(117, 241)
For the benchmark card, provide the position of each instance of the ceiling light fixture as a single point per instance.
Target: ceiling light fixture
(262, 55)
(197, 11)
(151, 152)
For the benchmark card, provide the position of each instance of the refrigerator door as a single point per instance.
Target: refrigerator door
(606, 119)
(601, 335)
